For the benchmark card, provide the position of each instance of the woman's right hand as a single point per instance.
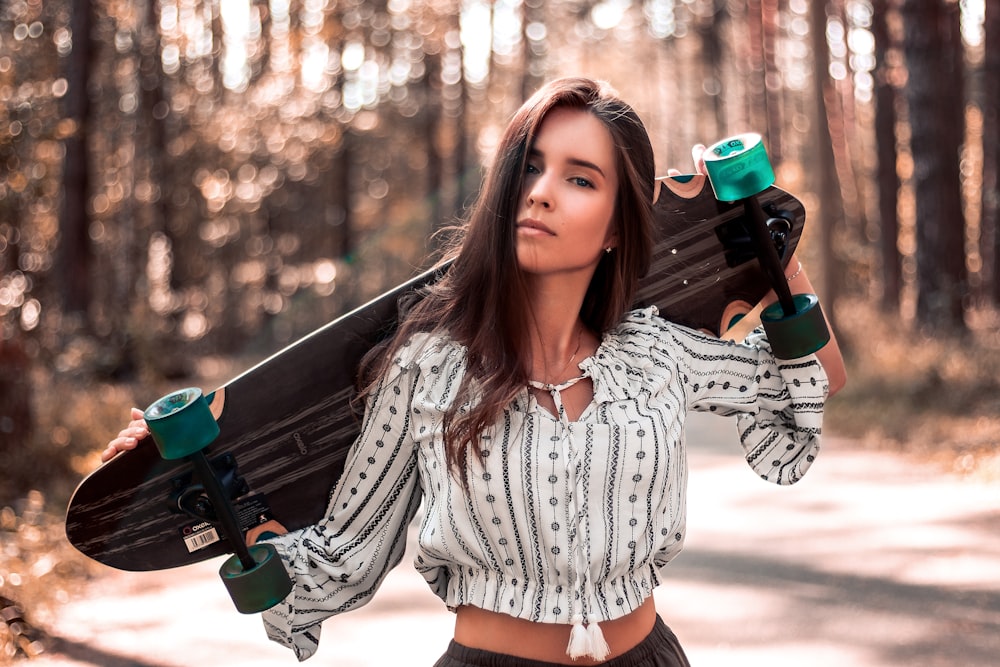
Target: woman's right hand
(128, 437)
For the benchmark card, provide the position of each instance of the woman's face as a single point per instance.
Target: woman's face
(568, 196)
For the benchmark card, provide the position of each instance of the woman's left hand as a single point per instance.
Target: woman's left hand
(128, 437)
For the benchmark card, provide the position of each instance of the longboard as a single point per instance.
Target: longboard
(286, 424)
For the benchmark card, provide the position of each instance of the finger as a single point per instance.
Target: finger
(128, 437)
(117, 446)
(138, 423)
(133, 433)
(698, 155)
(139, 427)
(110, 452)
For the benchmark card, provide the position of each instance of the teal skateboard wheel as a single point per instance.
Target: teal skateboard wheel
(258, 588)
(738, 167)
(181, 423)
(797, 335)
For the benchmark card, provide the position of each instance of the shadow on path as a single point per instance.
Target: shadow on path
(90, 654)
(951, 626)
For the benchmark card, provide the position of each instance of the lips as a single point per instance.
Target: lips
(530, 224)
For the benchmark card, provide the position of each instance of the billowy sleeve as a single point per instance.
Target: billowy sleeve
(337, 564)
(778, 403)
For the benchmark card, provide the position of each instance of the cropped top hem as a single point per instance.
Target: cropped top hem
(533, 600)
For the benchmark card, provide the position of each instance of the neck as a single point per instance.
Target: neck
(555, 363)
(559, 336)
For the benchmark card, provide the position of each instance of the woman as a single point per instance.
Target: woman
(537, 421)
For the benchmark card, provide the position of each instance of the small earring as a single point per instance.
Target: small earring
(608, 250)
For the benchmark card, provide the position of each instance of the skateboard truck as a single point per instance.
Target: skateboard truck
(182, 426)
(740, 247)
(739, 169)
(191, 498)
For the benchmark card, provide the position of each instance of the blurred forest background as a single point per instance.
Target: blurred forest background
(188, 185)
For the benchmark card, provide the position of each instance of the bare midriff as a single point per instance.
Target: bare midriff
(500, 633)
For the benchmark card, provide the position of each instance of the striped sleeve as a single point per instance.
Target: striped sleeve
(339, 563)
(778, 404)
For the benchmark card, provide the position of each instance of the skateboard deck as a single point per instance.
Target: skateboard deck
(285, 425)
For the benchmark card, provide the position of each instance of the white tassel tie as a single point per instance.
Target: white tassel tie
(599, 648)
(586, 639)
(579, 642)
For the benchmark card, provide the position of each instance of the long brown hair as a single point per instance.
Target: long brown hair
(481, 301)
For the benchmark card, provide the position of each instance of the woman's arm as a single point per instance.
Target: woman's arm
(829, 355)
(338, 563)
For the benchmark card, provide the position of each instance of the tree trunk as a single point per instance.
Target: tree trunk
(346, 160)
(533, 12)
(713, 46)
(887, 177)
(465, 176)
(772, 79)
(154, 110)
(460, 157)
(75, 251)
(432, 112)
(934, 93)
(848, 144)
(826, 183)
(991, 152)
(16, 418)
(756, 90)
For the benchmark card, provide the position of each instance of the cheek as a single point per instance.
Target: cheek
(606, 229)
(611, 231)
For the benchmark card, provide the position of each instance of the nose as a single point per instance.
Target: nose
(544, 203)
(538, 192)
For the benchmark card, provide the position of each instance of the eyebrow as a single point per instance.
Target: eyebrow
(534, 152)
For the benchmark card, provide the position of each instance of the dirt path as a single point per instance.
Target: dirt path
(872, 560)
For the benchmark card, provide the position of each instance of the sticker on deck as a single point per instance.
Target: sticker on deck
(199, 536)
(251, 512)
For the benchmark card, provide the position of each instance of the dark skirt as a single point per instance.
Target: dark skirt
(659, 649)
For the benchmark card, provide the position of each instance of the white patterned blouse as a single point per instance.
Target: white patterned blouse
(565, 522)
